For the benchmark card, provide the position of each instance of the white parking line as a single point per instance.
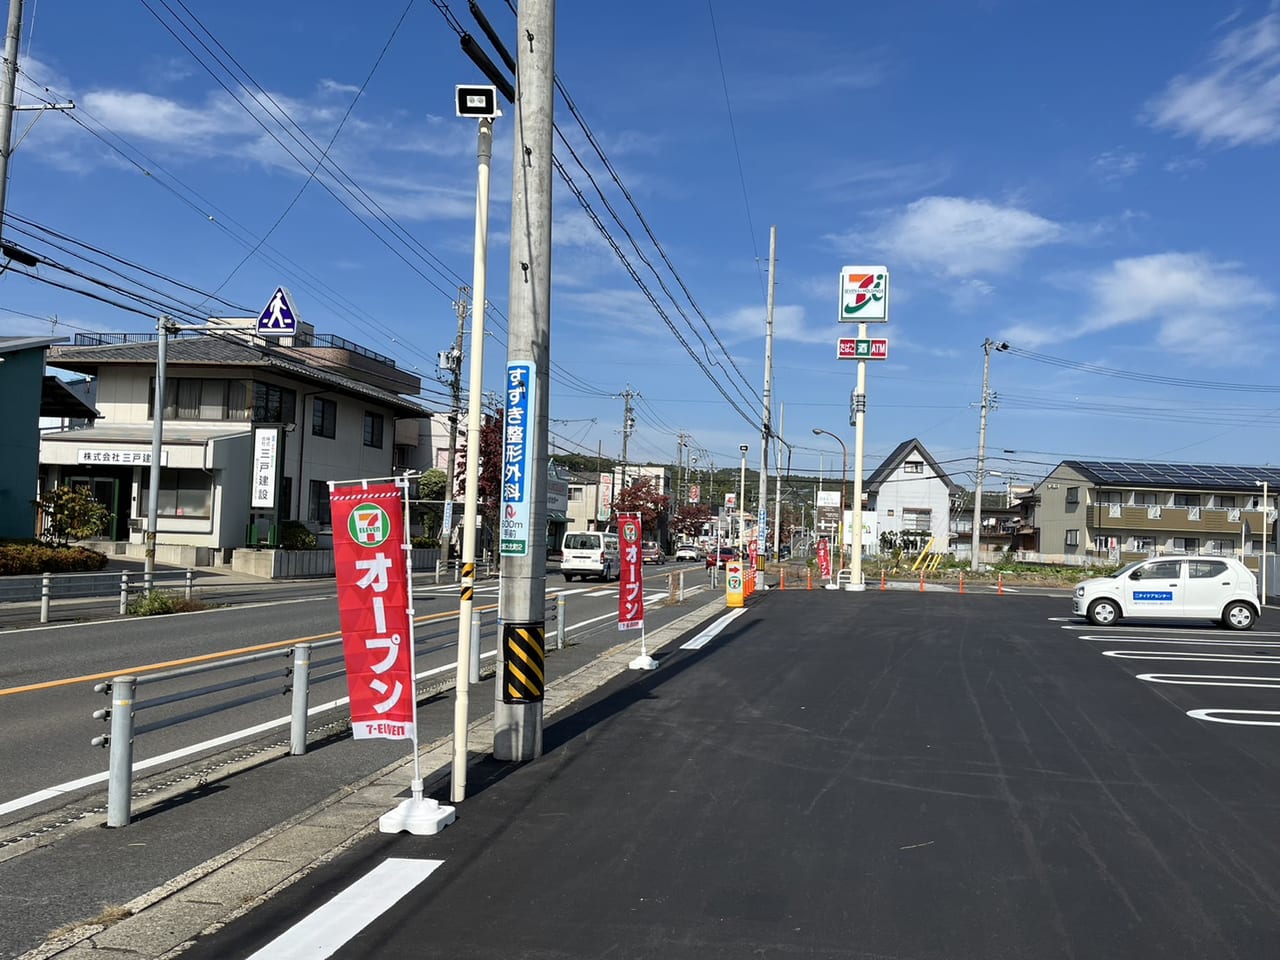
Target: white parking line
(1192, 643)
(1211, 680)
(323, 932)
(1187, 656)
(709, 634)
(1214, 715)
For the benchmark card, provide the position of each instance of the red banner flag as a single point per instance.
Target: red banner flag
(373, 609)
(631, 574)
(824, 558)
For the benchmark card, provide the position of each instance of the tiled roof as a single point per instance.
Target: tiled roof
(225, 351)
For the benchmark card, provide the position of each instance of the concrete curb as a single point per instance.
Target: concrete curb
(165, 921)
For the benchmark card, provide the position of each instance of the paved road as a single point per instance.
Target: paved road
(882, 775)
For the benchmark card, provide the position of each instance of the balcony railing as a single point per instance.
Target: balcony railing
(1196, 520)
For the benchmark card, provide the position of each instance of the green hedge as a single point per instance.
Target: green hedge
(28, 558)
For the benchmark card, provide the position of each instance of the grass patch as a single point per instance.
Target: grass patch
(162, 601)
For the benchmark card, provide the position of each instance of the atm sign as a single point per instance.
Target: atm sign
(862, 348)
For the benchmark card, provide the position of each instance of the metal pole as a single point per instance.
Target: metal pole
(455, 388)
(301, 693)
(120, 762)
(517, 717)
(777, 481)
(859, 434)
(766, 420)
(187, 591)
(477, 635)
(742, 504)
(45, 587)
(982, 454)
(157, 444)
(124, 594)
(8, 84)
(461, 706)
(1262, 565)
(560, 610)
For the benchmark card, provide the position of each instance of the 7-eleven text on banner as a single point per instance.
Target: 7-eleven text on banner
(631, 574)
(373, 609)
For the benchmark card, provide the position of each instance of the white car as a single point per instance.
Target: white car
(1185, 588)
(688, 551)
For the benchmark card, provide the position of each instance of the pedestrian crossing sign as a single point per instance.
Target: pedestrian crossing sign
(279, 318)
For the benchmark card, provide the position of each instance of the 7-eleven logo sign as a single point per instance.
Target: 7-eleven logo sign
(369, 525)
(864, 294)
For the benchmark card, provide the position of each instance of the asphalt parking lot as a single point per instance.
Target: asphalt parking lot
(879, 775)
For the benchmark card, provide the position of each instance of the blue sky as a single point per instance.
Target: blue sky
(1092, 184)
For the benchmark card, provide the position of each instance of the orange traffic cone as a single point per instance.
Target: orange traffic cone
(999, 584)
(962, 583)
(782, 579)
(922, 581)
(882, 586)
(810, 579)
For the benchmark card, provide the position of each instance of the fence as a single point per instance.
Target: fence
(294, 662)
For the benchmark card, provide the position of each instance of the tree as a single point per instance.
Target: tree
(71, 513)
(432, 487)
(641, 497)
(690, 519)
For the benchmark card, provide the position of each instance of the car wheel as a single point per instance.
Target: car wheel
(1103, 613)
(1238, 616)
(568, 578)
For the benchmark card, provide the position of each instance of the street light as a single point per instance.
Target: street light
(987, 399)
(1266, 520)
(742, 502)
(844, 474)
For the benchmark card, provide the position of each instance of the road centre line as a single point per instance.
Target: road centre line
(326, 929)
(1211, 680)
(707, 635)
(1187, 656)
(1212, 716)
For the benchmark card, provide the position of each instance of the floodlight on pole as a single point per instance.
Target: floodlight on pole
(1266, 521)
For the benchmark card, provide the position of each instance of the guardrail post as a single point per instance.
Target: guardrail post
(475, 646)
(124, 594)
(45, 587)
(188, 588)
(301, 690)
(120, 764)
(560, 622)
(680, 591)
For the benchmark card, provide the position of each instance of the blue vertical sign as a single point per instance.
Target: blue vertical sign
(514, 535)
(762, 523)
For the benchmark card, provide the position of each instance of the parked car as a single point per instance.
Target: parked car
(718, 558)
(651, 552)
(1186, 588)
(688, 551)
(589, 553)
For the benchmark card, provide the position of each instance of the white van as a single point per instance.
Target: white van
(589, 553)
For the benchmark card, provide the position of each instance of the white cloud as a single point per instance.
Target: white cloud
(1181, 166)
(1234, 99)
(1113, 165)
(957, 236)
(788, 324)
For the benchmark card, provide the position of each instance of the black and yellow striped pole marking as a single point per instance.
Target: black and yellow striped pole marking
(524, 660)
(468, 581)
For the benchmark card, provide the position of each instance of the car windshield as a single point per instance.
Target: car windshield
(1125, 569)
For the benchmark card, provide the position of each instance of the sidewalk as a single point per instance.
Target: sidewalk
(159, 923)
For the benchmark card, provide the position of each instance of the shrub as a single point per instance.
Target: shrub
(30, 557)
(161, 601)
(71, 513)
(296, 536)
(422, 543)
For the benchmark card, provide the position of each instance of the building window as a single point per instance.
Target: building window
(273, 403)
(318, 503)
(1110, 496)
(1186, 499)
(575, 494)
(373, 429)
(1226, 502)
(1144, 499)
(1073, 494)
(1073, 538)
(324, 418)
(185, 493)
(1216, 547)
(193, 398)
(917, 520)
(1186, 544)
(1102, 543)
(913, 466)
(1144, 545)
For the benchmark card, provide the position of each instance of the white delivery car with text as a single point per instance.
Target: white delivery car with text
(589, 553)
(1217, 588)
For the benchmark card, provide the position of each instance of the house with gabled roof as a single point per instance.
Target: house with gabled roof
(910, 493)
(253, 431)
(1118, 511)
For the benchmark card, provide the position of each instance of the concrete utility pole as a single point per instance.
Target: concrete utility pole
(163, 325)
(988, 398)
(777, 480)
(8, 86)
(766, 421)
(455, 389)
(682, 469)
(628, 424)
(519, 684)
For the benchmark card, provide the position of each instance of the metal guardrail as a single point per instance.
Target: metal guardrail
(302, 672)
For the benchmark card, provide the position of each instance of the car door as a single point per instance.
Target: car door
(1210, 583)
(1155, 589)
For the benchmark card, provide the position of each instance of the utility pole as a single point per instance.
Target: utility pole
(777, 482)
(682, 468)
(519, 683)
(988, 400)
(766, 422)
(454, 360)
(628, 424)
(163, 324)
(8, 88)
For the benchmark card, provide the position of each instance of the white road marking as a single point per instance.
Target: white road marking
(1212, 715)
(324, 931)
(707, 635)
(1211, 680)
(1137, 631)
(1193, 643)
(1186, 656)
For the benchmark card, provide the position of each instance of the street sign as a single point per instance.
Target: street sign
(478, 101)
(862, 348)
(279, 318)
(864, 295)
(695, 493)
(515, 531)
